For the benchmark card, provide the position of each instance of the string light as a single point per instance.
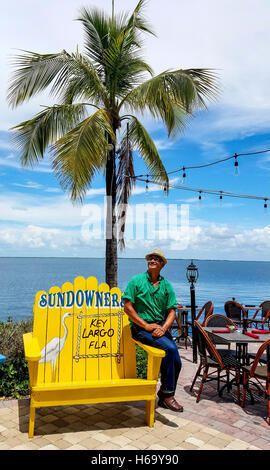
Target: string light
(236, 163)
(220, 198)
(236, 171)
(147, 185)
(211, 192)
(206, 191)
(184, 176)
(200, 199)
(265, 207)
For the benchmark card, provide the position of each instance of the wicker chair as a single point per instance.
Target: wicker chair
(261, 374)
(217, 360)
(207, 308)
(235, 312)
(264, 307)
(219, 320)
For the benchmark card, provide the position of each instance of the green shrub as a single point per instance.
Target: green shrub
(14, 377)
(141, 360)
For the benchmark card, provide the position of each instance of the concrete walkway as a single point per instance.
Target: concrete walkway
(213, 423)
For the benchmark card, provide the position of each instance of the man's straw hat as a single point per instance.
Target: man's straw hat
(157, 253)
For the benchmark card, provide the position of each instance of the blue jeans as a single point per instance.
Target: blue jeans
(170, 365)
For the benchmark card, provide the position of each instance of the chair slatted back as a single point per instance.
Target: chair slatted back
(218, 320)
(207, 308)
(265, 306)
(205, 345)
(83, 333)
(260, 352)
(235, 311)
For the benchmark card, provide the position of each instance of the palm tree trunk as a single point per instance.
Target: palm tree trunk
(111, 267)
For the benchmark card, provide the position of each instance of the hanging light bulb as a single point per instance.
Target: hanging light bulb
(147, 185)
(184, 176)
(265, 207)
(220, 199)
(236, 171)
(200, 199)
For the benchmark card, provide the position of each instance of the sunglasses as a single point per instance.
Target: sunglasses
(155, 258)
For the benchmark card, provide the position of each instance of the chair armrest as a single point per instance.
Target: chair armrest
(150, 349)
(31, 347)
(266, 318)
(255, 314)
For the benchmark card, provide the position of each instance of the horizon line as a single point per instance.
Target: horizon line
(142, 258)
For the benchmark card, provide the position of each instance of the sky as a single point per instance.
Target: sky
(232, 37)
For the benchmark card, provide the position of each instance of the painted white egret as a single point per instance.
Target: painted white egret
(51, 351)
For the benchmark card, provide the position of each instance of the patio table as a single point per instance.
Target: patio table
(241, 341)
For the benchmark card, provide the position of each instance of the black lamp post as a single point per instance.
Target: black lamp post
(192, 274)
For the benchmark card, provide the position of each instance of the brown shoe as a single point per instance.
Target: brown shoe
(170, 403)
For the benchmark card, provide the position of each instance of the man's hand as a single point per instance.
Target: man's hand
(158, 332)
(151, 326)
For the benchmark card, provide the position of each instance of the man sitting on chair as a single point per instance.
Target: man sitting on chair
(150, 303)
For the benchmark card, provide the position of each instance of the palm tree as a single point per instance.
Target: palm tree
(94, 127)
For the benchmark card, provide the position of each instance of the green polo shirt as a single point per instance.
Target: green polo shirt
(151, 303)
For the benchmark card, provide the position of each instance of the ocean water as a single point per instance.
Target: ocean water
(219, 281)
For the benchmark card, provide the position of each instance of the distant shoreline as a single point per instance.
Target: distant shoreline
(142, 258)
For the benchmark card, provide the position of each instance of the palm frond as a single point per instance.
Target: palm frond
(80, 153)
(114, 47)
(124, 66)
(34, 136)
(143, 143)
(81, 82)
(162, 95)
(137, 20)
(34, 72)
(96, 26)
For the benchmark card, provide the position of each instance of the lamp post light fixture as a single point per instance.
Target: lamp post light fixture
(192, 274)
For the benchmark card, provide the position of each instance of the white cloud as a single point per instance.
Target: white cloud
(48, 226)
(12, 161)
(221, 241)
(48, 212)
(29, 184)
(95, 192)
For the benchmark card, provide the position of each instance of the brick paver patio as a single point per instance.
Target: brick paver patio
(213, 423)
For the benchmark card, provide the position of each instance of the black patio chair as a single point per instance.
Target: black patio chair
(220, 321)
(217, 360)
(264, 308)
(260, 373)
(235, 312)
(207, 309)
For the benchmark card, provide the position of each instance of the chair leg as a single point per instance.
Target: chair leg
(228, 380)
(268, 399)
(245, 383)
(237, 372)
(150, 412)
(204, 377)
(196, 375)
(31, 421)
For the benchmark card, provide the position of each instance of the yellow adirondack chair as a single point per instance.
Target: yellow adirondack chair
(81, 350)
